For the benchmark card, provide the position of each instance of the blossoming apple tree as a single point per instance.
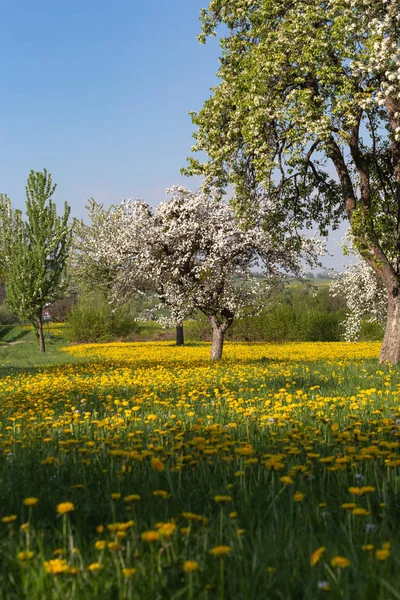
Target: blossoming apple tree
(196, 255)
(308, 109)
(364, 294)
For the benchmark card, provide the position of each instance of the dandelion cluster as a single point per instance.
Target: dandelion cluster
(144, 468)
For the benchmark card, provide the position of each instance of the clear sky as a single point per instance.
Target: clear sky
(98, 92)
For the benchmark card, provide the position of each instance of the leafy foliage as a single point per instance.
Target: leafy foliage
(306, 86)
(93, 320)
(37, 254)
(90, 269)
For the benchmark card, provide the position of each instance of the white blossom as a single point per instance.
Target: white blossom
(195, 254)
(364, 293)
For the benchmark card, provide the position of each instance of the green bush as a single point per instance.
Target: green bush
(93, 320)
(299, 315)
(371, 332)
(7, 317)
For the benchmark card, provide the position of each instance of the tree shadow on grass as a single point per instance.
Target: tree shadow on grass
(19, 335)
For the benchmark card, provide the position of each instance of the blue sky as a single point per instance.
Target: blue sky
(99, 94)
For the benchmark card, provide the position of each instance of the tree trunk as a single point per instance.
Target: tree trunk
(390, 351)
(219, 327)
(40, 334)
(218, 334)
(180, 340)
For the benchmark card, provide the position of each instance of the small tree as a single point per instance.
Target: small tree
(195, 253)
(37, 256)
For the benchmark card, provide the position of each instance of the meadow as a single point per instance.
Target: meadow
(142, 471)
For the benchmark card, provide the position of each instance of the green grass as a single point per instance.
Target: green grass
(20, 350)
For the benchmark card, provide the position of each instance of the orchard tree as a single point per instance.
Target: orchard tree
(363, 292)
(307, 112)
(195, 253)
(37, 255)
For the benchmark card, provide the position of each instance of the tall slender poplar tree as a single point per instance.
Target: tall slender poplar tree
(37, 256)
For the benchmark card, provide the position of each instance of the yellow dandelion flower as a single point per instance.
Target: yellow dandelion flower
(286, 480)
(356, 491)
(100, 544)
(93, 567)
(161, 494)
(222, 499)
(316, 556)
(131, 498)
(167, 529)
(25, 555)
(150, 536)
(299, 497)
(185, 530)
(220, 550)
(368, 489)
(113, 546)
(157, 464)
(128, 571)
(31, 501)
(190, 565)
(9, 519)
(65, 507)
(360, 512)
(56, 566)
(382, 554)
(340, 562)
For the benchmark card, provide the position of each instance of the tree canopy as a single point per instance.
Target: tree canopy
(195, 254)
(37, 252)
(307, 113)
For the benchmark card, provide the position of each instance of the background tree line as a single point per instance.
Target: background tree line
(72, 268)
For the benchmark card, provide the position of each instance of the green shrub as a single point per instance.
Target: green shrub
(93, 320)
(7, 317)
(371, 332)
(300, 315)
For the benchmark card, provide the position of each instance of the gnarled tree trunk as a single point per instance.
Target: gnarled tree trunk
(217, 343)
(219, 328)
(390, 351)
(180, 340)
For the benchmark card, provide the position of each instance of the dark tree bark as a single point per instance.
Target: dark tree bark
(180, 340)
(366, 236)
